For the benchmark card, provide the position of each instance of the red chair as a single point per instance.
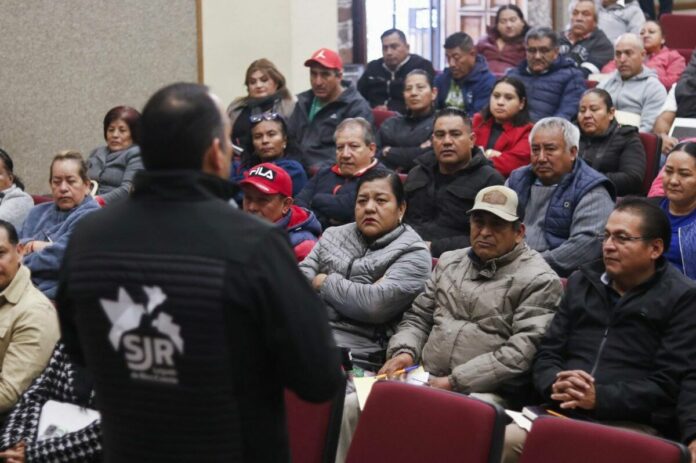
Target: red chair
(574, 441)
(381, 115)
(313, 428)
(406, 423)
(591, 84)
(38, 199)
(687, 53)
(653, 149)
(679, 30)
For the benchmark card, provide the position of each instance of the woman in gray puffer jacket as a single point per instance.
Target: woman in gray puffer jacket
(368, 272)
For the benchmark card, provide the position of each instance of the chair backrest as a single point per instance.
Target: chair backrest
(574, 441)
(406, 423)
(679, 30)
(653, 149)
(381, 115)
(39, 199)
(313, 428)
(687, 53)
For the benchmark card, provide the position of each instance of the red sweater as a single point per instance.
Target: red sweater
(513, 143)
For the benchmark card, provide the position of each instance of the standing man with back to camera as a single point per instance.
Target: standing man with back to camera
(174, 302)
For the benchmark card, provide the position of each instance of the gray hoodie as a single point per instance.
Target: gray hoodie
(642, 94)
(620, 18)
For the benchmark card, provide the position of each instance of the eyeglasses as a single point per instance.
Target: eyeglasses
(267, 116)
(620, 238)
(543, 50)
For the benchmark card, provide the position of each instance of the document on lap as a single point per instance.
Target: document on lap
(363, 385)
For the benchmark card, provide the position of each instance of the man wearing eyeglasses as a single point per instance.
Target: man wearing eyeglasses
(554, 84)
(625, 333)
(565, 202)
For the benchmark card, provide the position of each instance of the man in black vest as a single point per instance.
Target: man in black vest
(191, 315)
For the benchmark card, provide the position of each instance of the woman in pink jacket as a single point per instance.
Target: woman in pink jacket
(669, 64)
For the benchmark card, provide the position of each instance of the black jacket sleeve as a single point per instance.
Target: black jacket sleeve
(628, 179)
(297, 324)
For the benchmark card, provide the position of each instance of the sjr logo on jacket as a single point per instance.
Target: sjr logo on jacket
(150, 356)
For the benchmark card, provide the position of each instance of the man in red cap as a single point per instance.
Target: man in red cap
(319, 110)
(268, 194)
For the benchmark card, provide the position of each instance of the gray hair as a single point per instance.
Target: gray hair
(630, 37)
(574, 3)
(361, 122)
(571, 134)
(538, 33)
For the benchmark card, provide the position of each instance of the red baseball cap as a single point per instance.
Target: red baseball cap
(327, 58)
(269, 179)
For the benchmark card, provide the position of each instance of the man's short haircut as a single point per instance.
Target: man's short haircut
(361, 122)
(12, 236)
(421, 72)
(539, 33)
(654, 223)
(593, 2)
(71, 155)
(179, 124)
(398, 32)
(571, 134)
(453, 112)
(630, 37)
(460, 40)
(396, 184)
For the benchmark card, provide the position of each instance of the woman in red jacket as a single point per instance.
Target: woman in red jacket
(502, 128)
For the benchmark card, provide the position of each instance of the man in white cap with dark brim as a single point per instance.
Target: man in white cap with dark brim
(477, 325)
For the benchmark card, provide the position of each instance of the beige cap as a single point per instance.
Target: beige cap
(499, 200)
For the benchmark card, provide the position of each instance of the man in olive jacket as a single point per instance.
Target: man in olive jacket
(477, 325)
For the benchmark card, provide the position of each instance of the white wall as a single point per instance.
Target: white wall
(235, 33)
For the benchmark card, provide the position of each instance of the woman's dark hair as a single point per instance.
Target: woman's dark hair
(250, 159)
(654, 222)
(420, 72)
(517, 10)
(397, 186)
(12, 236)
(71, 155)
(522, 117)
(689, 147)
(9, 167)
(601, 93)
(129, 115)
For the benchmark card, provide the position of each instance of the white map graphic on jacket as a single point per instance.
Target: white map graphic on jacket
(126, 315)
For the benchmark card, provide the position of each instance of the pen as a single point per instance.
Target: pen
(398, 372)
(551, 412)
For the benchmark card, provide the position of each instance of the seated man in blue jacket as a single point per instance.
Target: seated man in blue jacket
(625, 333)
(467, 83)
(554, 83)
(330, 194)
(565, 202)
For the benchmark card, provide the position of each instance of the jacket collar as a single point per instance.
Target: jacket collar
(338, 172)
(17, 287)
(384, 240)
(172, 185)
(595, 273)
(489, 268)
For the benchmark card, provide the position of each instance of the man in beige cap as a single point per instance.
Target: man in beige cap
(477, 325)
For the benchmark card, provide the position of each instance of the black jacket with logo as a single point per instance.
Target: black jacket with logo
(192, 317)
(637, 349)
